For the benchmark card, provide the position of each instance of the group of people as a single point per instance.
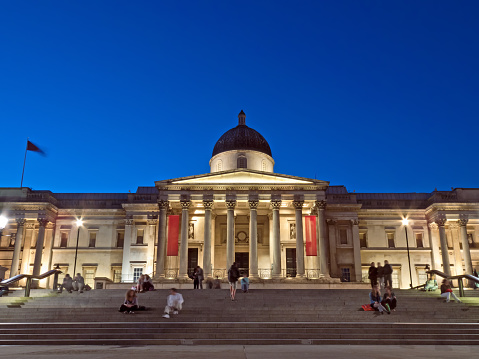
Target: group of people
(144, 284)
(70, 284)
(381, 304)
(381, 275)
(174, 303)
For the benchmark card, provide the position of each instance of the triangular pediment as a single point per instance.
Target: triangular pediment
(242, 177)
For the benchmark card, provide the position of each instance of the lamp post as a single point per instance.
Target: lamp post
(405, 222)
(79, 223)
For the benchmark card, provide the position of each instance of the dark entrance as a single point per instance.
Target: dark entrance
(192, 260)
(242, 260)
(290, 262)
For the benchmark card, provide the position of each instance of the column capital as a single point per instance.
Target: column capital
(253, 205)
(331, 222)
(128, 221)
(298, 204)
(463, 219)
(433, 225)
(152, 221)
(354, 221)
(21, 221)
(321, 205)
(163, 204)
(453, 225)
(185, 204)
(231, 204)
(208, 205)
(275, 204)
(440, 220)
(42, 222)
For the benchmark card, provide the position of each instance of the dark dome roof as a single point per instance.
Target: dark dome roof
(242, 137)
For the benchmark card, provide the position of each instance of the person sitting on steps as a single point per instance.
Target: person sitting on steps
(389, 300)
(67, 284)
(78, 283)
(446, 291)
(174, 303)
(375, 300)
(130, 304)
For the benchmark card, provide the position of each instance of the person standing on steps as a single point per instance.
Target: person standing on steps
(174, 303)
(373, 275)
(380, 276)
(200, 276)
(245, 283)
(78, 283)
(233, 275)
(388, 272)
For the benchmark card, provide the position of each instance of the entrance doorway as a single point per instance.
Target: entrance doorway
(192, 260)
(242, 260)
(290, 262)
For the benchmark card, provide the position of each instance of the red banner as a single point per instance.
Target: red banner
(173, 231)
(311, 246)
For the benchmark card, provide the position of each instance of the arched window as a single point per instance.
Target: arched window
(263, 165)
(242, 162)
(219, 166)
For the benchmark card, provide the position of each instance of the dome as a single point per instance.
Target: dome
(242, 137)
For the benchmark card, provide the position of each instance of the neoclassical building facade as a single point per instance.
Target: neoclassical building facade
(276, 227)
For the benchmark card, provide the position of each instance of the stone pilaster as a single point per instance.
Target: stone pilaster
(230, 233)
(161, 244)
(253, 239)
(298, 211)
(463, 219)
(275, 205)
(125, 267)
(18, 247)
(208, 205)
(183, 272)
(332, 247)
(433, 242)
(357, 250)
(323, 245)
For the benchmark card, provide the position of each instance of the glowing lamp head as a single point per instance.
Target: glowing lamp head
(405, 222)
(3, 222)
(79, 222)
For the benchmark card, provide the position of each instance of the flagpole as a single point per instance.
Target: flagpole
(24, 160)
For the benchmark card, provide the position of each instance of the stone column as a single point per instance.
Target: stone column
(161, 246)
(126, 274)
(152, 222)
(230, 233)
(39, 247)
(435, 258)
(253, 239)
(298, 210)
(208, 205)
(323, 246)
(463, 219)
(332, 247)
(357, 250)
(441, 221)
(275, 204)
(183, 272)
(18, 247)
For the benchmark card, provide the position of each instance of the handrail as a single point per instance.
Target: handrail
(29, 278)
(458, 277)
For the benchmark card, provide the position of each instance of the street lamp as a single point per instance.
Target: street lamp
(79, 223)
(405, 223)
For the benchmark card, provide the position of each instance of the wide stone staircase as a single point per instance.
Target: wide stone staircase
(258, 317)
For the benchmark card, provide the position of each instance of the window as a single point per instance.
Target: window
(137, 272)
(117, 275)
(363, 240)
(120, 239)
(64, 240)
(89, 276)
(92, 239)
(343, 236)
(390, 237)
(242, 162)
(345, 275)
(139, 236)
(419, 243)
(219, 166)
(470, 239)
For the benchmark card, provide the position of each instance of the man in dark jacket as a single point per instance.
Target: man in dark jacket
(233, 275)
(388, 271)
(380, 276)
(373, 275)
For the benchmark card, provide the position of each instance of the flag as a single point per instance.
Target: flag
(173, 231)
(311, 246)
(34, 148)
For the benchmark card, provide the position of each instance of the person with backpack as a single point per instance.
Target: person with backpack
(233, 275)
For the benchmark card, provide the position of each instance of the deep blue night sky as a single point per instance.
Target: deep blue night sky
(378, 96)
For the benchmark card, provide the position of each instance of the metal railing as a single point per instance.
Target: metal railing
(29, 278)
(458, 277)
(263, 273)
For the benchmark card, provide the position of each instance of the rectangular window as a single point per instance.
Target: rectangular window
(343, 236)
(92, 239)
(120, 239)
(363, 240)
(139, 236)
(89, 276)
(64, 240)
(419, 243)
(117, 275)
(391, 240)
(345, 275)
(137, 272)
(470, 239)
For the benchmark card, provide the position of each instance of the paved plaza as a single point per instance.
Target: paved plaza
(240, 352)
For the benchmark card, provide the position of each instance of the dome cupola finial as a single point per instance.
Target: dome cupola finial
(241, 118)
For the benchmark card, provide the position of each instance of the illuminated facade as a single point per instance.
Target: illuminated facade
(241, 211)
